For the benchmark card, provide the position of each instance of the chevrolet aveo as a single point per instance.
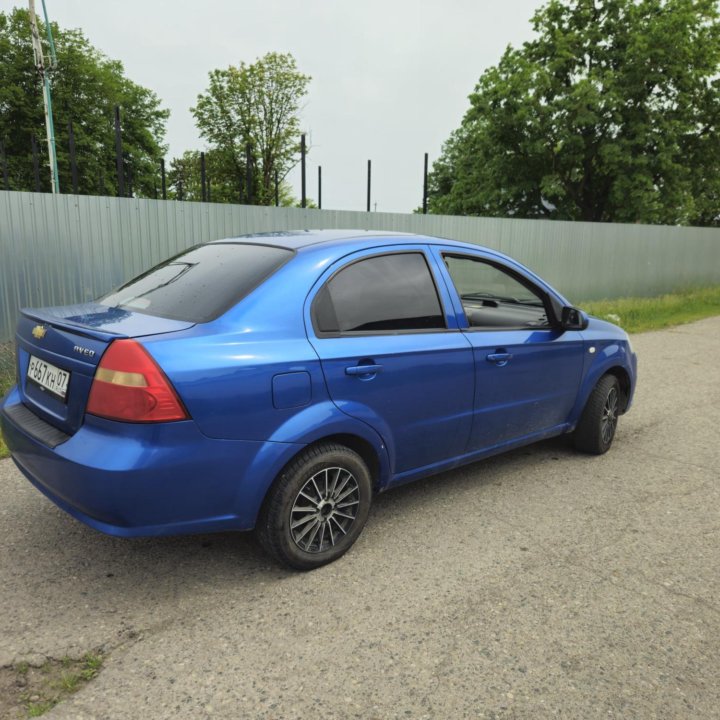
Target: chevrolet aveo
(279, 381)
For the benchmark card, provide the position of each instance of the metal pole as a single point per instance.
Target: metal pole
(368, 184)
(277, 190)
(47, 95)
(303, 199)
(73, 161)
(425, 185)
(249, 174)
(319, 187)
(162, 178)
(118, 154)
(36, 163)
(130, 178)
(6, 182)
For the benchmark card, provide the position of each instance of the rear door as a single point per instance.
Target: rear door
(527, 371)
(392, 356)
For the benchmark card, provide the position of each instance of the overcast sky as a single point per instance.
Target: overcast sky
(390, 78)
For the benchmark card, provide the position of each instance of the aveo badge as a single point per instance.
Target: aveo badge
(84, 351)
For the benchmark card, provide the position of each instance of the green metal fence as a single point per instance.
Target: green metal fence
(62, 249)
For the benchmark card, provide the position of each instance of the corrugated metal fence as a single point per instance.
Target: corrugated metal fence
(65, 249)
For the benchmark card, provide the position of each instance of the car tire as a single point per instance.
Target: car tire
(595, 430)
(316, 508)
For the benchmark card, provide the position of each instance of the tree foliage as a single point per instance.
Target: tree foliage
(184, 179)
(85, 88)
(611, 113)
(254, 104)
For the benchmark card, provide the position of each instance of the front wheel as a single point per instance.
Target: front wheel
(316, 508)
(596, 429)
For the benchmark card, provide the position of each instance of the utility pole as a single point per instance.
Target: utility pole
(47, 97)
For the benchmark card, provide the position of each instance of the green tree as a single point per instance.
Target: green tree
(256, 105)
(610, 114)
(86, 87)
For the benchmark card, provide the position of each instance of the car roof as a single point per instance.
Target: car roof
(328, 246)
(298, 239)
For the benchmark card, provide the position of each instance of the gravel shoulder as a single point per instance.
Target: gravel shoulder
(538, 584)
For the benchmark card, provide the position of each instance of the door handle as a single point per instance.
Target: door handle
(363, 369)
(499, 358)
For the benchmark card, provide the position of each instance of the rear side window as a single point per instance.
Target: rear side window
(389, 293)
(201, 283)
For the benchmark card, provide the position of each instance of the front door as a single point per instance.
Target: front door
(527, 371)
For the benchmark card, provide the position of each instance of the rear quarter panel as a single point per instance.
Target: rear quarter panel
(253, 375)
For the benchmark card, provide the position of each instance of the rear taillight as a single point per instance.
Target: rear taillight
(129, 385)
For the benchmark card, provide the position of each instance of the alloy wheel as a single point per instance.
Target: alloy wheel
(324, 509)
(609, 419)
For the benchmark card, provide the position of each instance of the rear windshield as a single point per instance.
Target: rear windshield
(201, 283)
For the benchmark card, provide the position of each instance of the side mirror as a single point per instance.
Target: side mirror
(573, 319)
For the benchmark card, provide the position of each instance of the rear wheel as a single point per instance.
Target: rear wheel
(596, 429)
(316, 508)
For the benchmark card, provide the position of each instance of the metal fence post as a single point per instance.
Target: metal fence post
(425, 186)
(319, 187)
(119, 154)
(128, 169)
(368, 184)
(249, 174)
(36, 163)
(73, 161)
(303, 199)
(3, 159)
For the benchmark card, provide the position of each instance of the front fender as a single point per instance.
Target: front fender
(614, 354)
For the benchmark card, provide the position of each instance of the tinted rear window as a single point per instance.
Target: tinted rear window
(201, 283)
(389, 293)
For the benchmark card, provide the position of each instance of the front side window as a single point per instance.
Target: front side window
(493, 298)
(388, 293)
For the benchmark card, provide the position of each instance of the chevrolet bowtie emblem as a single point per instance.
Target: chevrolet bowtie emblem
(39, 332)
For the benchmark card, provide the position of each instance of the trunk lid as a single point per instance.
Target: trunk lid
(59, 348)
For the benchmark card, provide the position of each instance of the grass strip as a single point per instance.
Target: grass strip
(635, 314)
(7, 379)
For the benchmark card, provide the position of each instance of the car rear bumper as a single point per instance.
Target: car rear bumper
(147, 479)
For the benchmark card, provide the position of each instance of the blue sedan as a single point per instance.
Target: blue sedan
(278, 381)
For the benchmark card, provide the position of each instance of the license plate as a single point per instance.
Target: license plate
(48, 377)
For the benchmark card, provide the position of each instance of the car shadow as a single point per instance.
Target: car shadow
(62, 558)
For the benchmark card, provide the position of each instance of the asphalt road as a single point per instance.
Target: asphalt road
(540, 584)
